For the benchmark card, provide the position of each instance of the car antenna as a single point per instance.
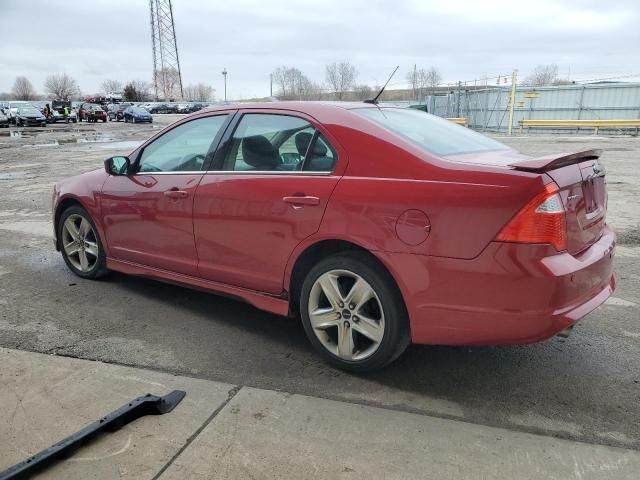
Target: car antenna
(374, 100)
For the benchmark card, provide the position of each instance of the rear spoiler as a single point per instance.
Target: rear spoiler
(551, 162)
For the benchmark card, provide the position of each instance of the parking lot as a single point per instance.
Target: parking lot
(585, 387)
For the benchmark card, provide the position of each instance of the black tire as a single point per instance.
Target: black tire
(99, 269)
(396, 337)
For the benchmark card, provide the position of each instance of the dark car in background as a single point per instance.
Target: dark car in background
(29, 115)
(164, 108)
(137, 115)
(92, 112)
(115, 112)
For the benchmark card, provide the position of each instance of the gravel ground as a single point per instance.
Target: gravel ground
(586, 387)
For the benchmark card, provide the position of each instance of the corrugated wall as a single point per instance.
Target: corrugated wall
(488, 109)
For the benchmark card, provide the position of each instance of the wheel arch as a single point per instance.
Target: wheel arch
(70, 200)
(62, 205)
(310, 254)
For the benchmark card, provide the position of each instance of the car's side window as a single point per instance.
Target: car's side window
(183, 148)
(268, 142)
(321, 157)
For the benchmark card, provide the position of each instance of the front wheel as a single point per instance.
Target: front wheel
(353, 312)
(80, 243)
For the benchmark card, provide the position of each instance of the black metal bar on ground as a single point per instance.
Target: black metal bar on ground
(140, 407)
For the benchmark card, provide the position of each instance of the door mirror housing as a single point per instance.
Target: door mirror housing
(117, 165)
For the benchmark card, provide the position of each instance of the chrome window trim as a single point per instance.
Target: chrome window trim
(233, 172)
(179, 172)
(268, 172)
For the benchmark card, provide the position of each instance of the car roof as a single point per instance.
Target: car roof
(301, 106)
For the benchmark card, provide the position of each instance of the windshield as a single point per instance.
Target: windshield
(28, 111)
(434, 134)
(139, 110)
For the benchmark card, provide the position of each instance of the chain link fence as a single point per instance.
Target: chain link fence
(487, 109)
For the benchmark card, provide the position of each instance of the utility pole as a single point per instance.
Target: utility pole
(415, 84)
(458, 100)
(224, 74)
(512, 99)
(271, 84)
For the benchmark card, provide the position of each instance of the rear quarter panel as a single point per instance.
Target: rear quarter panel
(466, 204)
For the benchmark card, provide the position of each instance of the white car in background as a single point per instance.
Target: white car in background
(12, 108)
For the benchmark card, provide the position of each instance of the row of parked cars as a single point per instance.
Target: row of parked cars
(22, 113)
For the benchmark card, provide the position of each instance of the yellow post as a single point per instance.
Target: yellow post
(512, 99)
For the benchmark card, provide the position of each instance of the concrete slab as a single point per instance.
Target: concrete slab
(265, 434)
(45, 398)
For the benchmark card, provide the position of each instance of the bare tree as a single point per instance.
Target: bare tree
(543, 75)
(109, 86)
(362, 92)
(412, 80)
(422, 79)
(309, 90)
(23, 89)
(292, 84)
(199, 92)
(61, 87)
(341, 77)
(168, 81)
(136, 91)
(430, 78)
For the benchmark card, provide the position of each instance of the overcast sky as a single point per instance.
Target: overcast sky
(465, 39)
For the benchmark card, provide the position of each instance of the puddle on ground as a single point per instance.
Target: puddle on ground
(12, 175)
(78, 136)
(124, 145)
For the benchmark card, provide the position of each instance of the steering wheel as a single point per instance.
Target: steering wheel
(191, 161)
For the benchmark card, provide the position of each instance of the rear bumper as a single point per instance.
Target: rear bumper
(509, 294)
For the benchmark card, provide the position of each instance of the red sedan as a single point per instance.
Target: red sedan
(377, 226)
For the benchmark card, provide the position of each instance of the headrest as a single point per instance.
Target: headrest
(258, 152)
(302, 144)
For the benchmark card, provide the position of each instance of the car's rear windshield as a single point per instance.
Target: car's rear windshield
(434, 134)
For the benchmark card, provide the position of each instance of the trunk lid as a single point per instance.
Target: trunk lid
(583, 189)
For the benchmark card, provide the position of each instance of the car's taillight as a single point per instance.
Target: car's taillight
(542, 220)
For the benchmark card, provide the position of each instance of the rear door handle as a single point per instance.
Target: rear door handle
(176, 193)
(301, 200)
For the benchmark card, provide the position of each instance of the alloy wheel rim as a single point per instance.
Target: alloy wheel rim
(80, 243)
(346, 315)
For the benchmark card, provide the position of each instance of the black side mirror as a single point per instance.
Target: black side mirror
(117, 165)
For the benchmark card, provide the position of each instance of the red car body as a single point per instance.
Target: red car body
(438, 224)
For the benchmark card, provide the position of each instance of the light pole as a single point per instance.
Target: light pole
(224, 74)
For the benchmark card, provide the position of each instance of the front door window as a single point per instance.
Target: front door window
(184, 148)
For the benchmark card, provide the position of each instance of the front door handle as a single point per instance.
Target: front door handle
(301, 200)
(175, 193)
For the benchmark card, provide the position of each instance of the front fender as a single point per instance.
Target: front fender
(84, 190)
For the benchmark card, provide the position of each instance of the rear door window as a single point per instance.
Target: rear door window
(277, 143)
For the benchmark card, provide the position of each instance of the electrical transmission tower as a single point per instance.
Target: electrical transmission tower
(167, 79)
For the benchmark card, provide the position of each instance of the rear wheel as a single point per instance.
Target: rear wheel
(353, 313)
(80, 243)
